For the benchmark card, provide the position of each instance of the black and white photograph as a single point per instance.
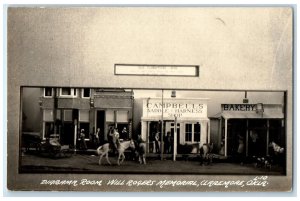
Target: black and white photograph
(150, 99)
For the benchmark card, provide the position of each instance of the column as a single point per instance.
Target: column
(208, 131)
(268, 136)
(225, 137)
(247, 137)
(144, 130)
(147, 137)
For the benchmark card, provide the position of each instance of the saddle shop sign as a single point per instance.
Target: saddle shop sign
(170, 108)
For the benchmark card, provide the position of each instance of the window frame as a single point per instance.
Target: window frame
(190, 133)
(196, 133)
(83, 121)
(82, 93)
(67, 120)
(72, 95)
(52, 92)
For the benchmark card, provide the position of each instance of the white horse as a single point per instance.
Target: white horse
(277, 149)
(104, 149)
(142, 153)
(278, 155)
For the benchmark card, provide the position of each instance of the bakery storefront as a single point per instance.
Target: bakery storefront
(178, 121)
(256, 124)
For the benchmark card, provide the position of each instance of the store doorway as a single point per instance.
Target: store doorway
(169, 140)
(67, 136)
(154, 137)
(100, 121)
(257, 139)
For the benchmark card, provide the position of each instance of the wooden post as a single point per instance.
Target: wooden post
(162, 126)
(75, 134)
(175, 139)
(225, 137)
(247, 137)
(268, 134)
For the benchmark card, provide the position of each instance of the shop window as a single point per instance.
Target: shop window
(48, 92)
(68, 115)
(86, 93)
(110, 116)
(58, 114)
(66, 91)
(48, 115)
(84, 115)
(122, 116)
(197, 132)
(188, 132)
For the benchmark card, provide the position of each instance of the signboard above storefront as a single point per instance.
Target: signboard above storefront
(239, 107)
(252, 111)
(157, 70)
(180, 108)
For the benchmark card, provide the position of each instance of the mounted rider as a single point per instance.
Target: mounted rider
(114, 139)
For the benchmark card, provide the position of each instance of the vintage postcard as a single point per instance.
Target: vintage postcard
(150, 99)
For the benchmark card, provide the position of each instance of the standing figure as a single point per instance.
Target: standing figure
(254, 144)
(168, 143)
(82, 140)
(240, 150)
(156, 138)
(97, 137)
(124, 134)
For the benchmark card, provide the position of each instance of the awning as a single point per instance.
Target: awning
(270, 111)
(246, 115)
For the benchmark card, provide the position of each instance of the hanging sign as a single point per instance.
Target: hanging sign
(157, 70)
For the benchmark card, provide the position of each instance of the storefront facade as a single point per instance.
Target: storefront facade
(255, 125)
(68, 110)
(178, 121)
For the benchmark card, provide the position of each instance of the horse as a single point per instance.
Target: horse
(205, 153)
(142, 153)
(122, 146)
(276, 148)
(277, 153)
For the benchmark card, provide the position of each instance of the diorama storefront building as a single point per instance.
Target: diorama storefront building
(183, 121)
(255, 125)
(68, 110)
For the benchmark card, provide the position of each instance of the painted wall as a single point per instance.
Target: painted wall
(236, 48)
(32, 114)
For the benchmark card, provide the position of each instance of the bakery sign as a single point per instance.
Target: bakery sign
(170, 108)
(239, 107)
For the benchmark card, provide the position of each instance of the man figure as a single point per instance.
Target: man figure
(168, 143)
(157, 142)
(115, 139)
(97, 137)
(124, 134)
(82, 140)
